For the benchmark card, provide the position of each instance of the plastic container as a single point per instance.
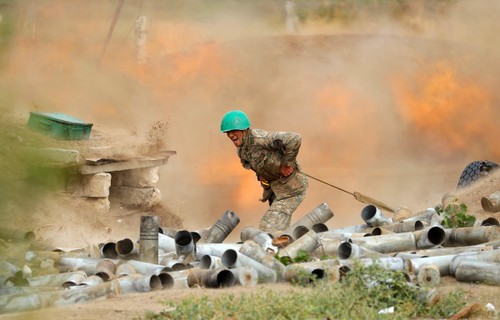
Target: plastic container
(59, 126)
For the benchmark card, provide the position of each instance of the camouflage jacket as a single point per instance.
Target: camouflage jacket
(265, 152)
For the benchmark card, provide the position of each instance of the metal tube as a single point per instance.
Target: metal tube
(308, 242)
(245, 276)
(425, 216)
(478, 271)
(390, 263)
(263, 238)
(373, 217)
(91, 281)
(320, 227)
(148, 239)
(184, 245)
(251, 249)
(402, 213)
(408, 226)
(471, 235)
(321, 214)
(146, 267)
(108, 250)
(387, 243)
(53, 280)
(221, 229)
(488, 256)
(349, 250)
(234, 259)
(491, 221)
(166, 243)
(442, 262)
(215, 249)
(428, 275)
(124, 269)
(210, 278)
(86, 264)
(106, 270)
(429, 237)
(316, 270)
(127, 249)
(210, 262)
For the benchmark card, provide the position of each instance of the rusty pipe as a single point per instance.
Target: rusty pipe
(487, 256)
(478, 271)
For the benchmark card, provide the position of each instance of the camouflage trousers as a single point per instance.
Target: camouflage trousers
(279, 214)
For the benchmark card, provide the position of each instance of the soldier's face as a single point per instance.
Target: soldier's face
(236, 136)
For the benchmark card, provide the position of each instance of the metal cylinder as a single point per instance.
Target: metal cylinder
(321, 214)
(215, 249)
(442, 262)
(424, 216)
(146, 267)
(91, 281)
(106, 270)
(126, 249)
(262, 238)
(245, 276)
(478, 271)
(74, 280)
(430, 237)
(234, 259)
(491, 203)
(320, 227)
(251, 249)
(488, 256)
(148, 239)
(124, 269)
(349, 250)
(166, 279)
(429, 276)
(54, 280)
(491, 221)
(471, 235)
(184, 245)
(166, 243)
(299, 231)
(210, 278)
(208, 261)
(108, 250)
(218, 232)
(308, 242)
(373, 217)
(386, 243)
(400, 227)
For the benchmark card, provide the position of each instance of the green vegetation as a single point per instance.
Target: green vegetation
(361, 294)
(455, 216)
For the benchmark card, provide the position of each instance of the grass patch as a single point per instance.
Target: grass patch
(362, 294)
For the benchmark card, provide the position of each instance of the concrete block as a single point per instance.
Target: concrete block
(140, 178)
(96, 185)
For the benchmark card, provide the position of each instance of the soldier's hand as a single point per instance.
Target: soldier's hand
(286, 170)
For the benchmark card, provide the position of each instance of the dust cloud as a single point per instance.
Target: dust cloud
(392, 100)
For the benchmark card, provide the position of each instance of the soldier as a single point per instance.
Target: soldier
(272, 156)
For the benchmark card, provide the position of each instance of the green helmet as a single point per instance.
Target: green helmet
(234, 120)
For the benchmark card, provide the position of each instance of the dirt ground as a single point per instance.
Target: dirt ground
(131, 306)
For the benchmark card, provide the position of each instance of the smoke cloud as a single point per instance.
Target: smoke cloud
(392, 101)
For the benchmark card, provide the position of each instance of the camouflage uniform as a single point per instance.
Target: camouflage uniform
(265, 152)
